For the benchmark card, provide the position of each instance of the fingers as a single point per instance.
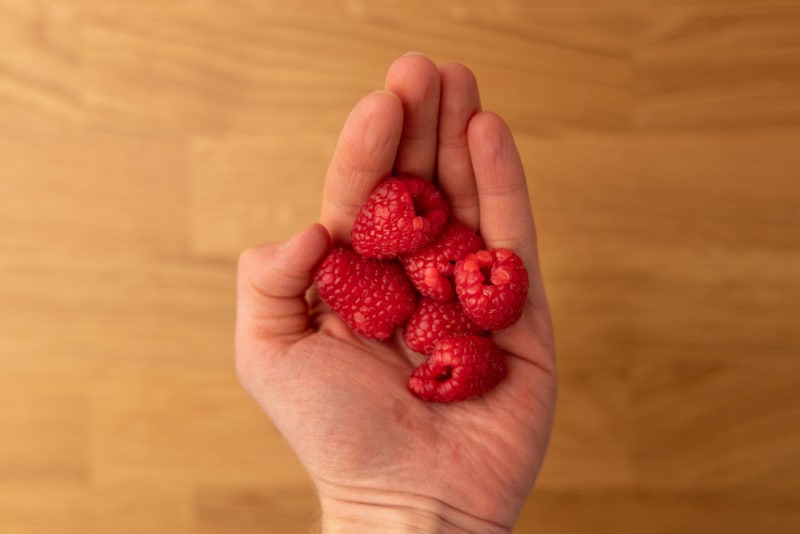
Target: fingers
(459, 102)
(505, 210)
(271, 286)
(364, 156)
(415, 80)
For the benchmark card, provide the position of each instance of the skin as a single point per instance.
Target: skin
(379, 457)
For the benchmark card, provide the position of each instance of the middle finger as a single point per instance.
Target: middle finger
(415, 80)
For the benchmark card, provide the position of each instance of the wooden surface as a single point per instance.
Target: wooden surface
(144, 144)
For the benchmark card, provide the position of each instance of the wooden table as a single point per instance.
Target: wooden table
(144, 144)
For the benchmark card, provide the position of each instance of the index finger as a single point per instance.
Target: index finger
(364, 156)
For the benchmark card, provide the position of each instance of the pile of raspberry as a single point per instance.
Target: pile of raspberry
(414, 267)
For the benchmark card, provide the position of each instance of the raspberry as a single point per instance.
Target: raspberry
(434, 320)
(459, 368)
(431, 267)
(492, 286)
(464, 291)
(372, 296)
(401, 215)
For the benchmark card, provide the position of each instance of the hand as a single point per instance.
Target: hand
(378, 456)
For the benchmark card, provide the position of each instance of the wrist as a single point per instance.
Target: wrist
(341, 518)
(368, 510)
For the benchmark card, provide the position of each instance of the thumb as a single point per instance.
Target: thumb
(272, 281)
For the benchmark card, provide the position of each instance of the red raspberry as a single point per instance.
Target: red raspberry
(372, 296)
(460, 367)
(401, 215)
(434, 320)
(492, 286)
(431, 267)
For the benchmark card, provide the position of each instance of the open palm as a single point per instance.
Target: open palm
(377, 454)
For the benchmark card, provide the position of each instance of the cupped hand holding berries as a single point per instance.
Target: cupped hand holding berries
(382, 459)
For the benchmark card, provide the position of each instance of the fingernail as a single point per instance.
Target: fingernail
(285, 244)
(413, 53)
(303, 234)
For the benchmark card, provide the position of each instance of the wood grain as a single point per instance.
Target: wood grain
(144, 144)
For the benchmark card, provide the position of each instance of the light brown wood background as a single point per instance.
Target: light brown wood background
(144, 144)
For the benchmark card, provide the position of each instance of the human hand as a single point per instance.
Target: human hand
(380, 458)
